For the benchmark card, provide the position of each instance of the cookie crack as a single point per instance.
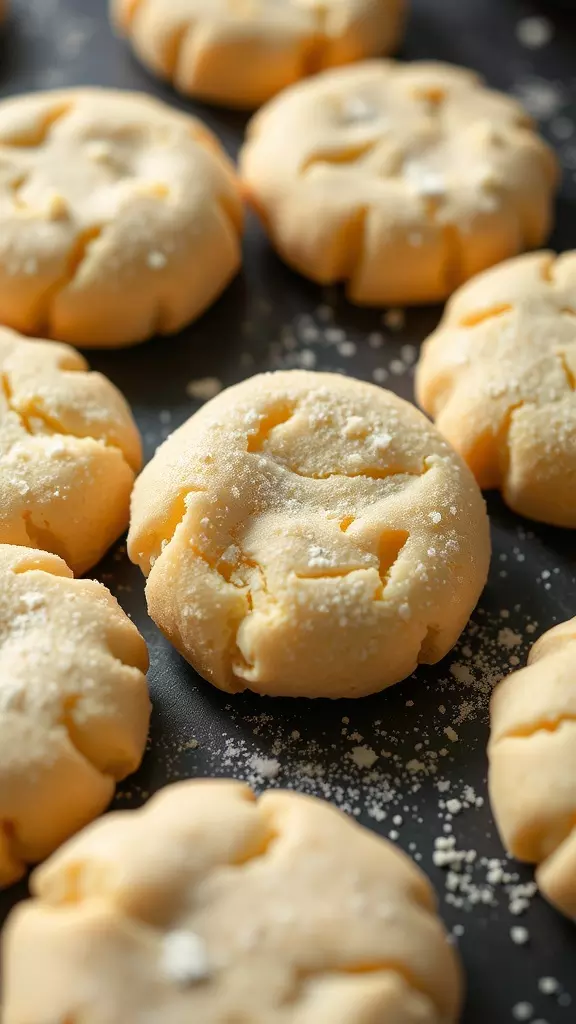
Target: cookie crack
(129, 12)
(115, 770)
(369, 473)
(11, 856)
(551, 725)
(54, 426)
(173, 48)
(489, 313)
(547, 267)
(346, 154)
(336, 573)
(38, 134)
(502, 440)
(77, 255)
(567, 370)
(429, 646)
(43, 538)
(392, 543)
(384, 967)
(280, 413)
(453, 259)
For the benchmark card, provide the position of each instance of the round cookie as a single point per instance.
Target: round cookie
(532, 754)
(119, 217)
(69, 451)
(74, 705)
(242, 52)
(401, 180)
(498, 376)
(306, 534)
(212, 906)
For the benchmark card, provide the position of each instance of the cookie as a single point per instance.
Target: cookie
(532, 755)
(498, 377)
(69, 452)
(119, 217)
(74, 704)
(400, 180)
(242, 52)
(306, 534)
(210, 905)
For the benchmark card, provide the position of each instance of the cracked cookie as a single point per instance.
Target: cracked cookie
(242, 52)
(69, 452)
(74, 704)
(498, 376)
(213, 906)
(120, 217)
(401, 180)
(306, 534)
(532, 754)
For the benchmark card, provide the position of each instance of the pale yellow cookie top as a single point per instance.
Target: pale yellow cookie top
(403, 180)
(119, 216)
(74, 704)
(499, 376)
(533, 763)
(69, 451)
(242, 52)
(209, 904)
(309, 534)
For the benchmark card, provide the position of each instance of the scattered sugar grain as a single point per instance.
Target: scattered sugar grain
(204, 388)
(363, 757)
(156, 260)
(264, 767)
(548, 986)
(522, 1011)
(394, 319)
(534, 32)
(183, 958)
(380, 374)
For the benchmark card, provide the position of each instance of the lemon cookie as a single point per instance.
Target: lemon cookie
(532, 755)
(401, 180)
(74, 705)
(119, 217)
(498, 376)
(210, 905)
(306, 534)
(242, 52)
(69, 451)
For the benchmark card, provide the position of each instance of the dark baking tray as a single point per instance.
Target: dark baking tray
(266, 320)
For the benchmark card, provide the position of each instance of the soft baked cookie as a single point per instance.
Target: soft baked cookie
(69, 451)
(74, 704)
(402, 180)
(211, 906)
(119, 216)
(306, 534)
(242, 52)
(532, 755)
(498, 376)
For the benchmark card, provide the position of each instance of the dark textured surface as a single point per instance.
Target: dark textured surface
(261, 323)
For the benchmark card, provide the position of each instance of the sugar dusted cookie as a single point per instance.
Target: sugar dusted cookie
(209, 905)
(69, 451)
(401, 180)
(532, 755)
(307, 534)
(74, 704)
(498, 377)
(119, 217)
(242, 52)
